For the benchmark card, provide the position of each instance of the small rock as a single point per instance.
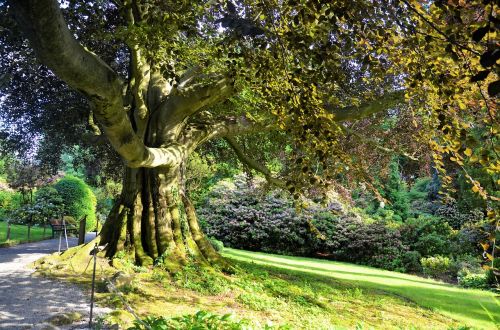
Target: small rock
(121, 278)
(64, 318)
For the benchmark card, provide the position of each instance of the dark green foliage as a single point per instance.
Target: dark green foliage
(420, 189)
(458, 218)
(348, 238)
(242, 218)
(395, 192)
(49, 202)
(427, 235)
(78, 198)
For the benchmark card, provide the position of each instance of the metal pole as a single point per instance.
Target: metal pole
(65, 234)
(93, 286)
(60, 237)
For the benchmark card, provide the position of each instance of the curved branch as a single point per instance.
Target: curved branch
(368, 108)
(43, 24)
(189, 100)
(56, 47)
(199, 133)
(253, 164)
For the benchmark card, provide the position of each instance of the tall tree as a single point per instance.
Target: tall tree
(179, 74)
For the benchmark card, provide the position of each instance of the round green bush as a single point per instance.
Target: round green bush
(79, 200)
(473, 281)
(439, 267)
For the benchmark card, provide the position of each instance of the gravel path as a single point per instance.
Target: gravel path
(25, 299)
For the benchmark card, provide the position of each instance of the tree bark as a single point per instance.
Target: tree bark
(154, 220)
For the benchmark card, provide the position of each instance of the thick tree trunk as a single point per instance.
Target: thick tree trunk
(154, 218)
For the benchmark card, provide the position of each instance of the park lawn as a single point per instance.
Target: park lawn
(19, 233)
(301, 293)
(475, 308)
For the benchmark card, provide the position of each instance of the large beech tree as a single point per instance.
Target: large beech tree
(187, 72)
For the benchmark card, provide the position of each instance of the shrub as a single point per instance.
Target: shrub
(241, 217)
(468, 238)
(244, 218)
(49, 203)
(78, 198)
(458, 218)
(420, 189)
(395, 192)
(438, 267)
(9, 201)
(348, 238)
(411, 261)
(427, 235)
(473, 281)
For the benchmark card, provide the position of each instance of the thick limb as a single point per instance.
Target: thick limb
(253, 164)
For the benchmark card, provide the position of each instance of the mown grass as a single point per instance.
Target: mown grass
(265, 289)
(19, 234)
(472, 307)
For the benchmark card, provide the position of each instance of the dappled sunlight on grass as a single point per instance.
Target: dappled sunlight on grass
(258, 292)
(475, 307)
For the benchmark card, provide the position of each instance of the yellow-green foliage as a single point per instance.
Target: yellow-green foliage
(78, 198)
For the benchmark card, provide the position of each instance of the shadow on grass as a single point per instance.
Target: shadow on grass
(478, 308)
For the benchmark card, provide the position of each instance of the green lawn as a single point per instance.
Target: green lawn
(19, 233)
(473, 307)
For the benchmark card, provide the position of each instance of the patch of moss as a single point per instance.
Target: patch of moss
(121, 317)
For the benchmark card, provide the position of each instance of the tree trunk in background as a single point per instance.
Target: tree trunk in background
(153, 217)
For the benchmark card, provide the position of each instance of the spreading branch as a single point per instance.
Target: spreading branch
(253, 164)
(199, 133)
(43, 24)
(56, 47)
(190, 99)
(366, 109)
